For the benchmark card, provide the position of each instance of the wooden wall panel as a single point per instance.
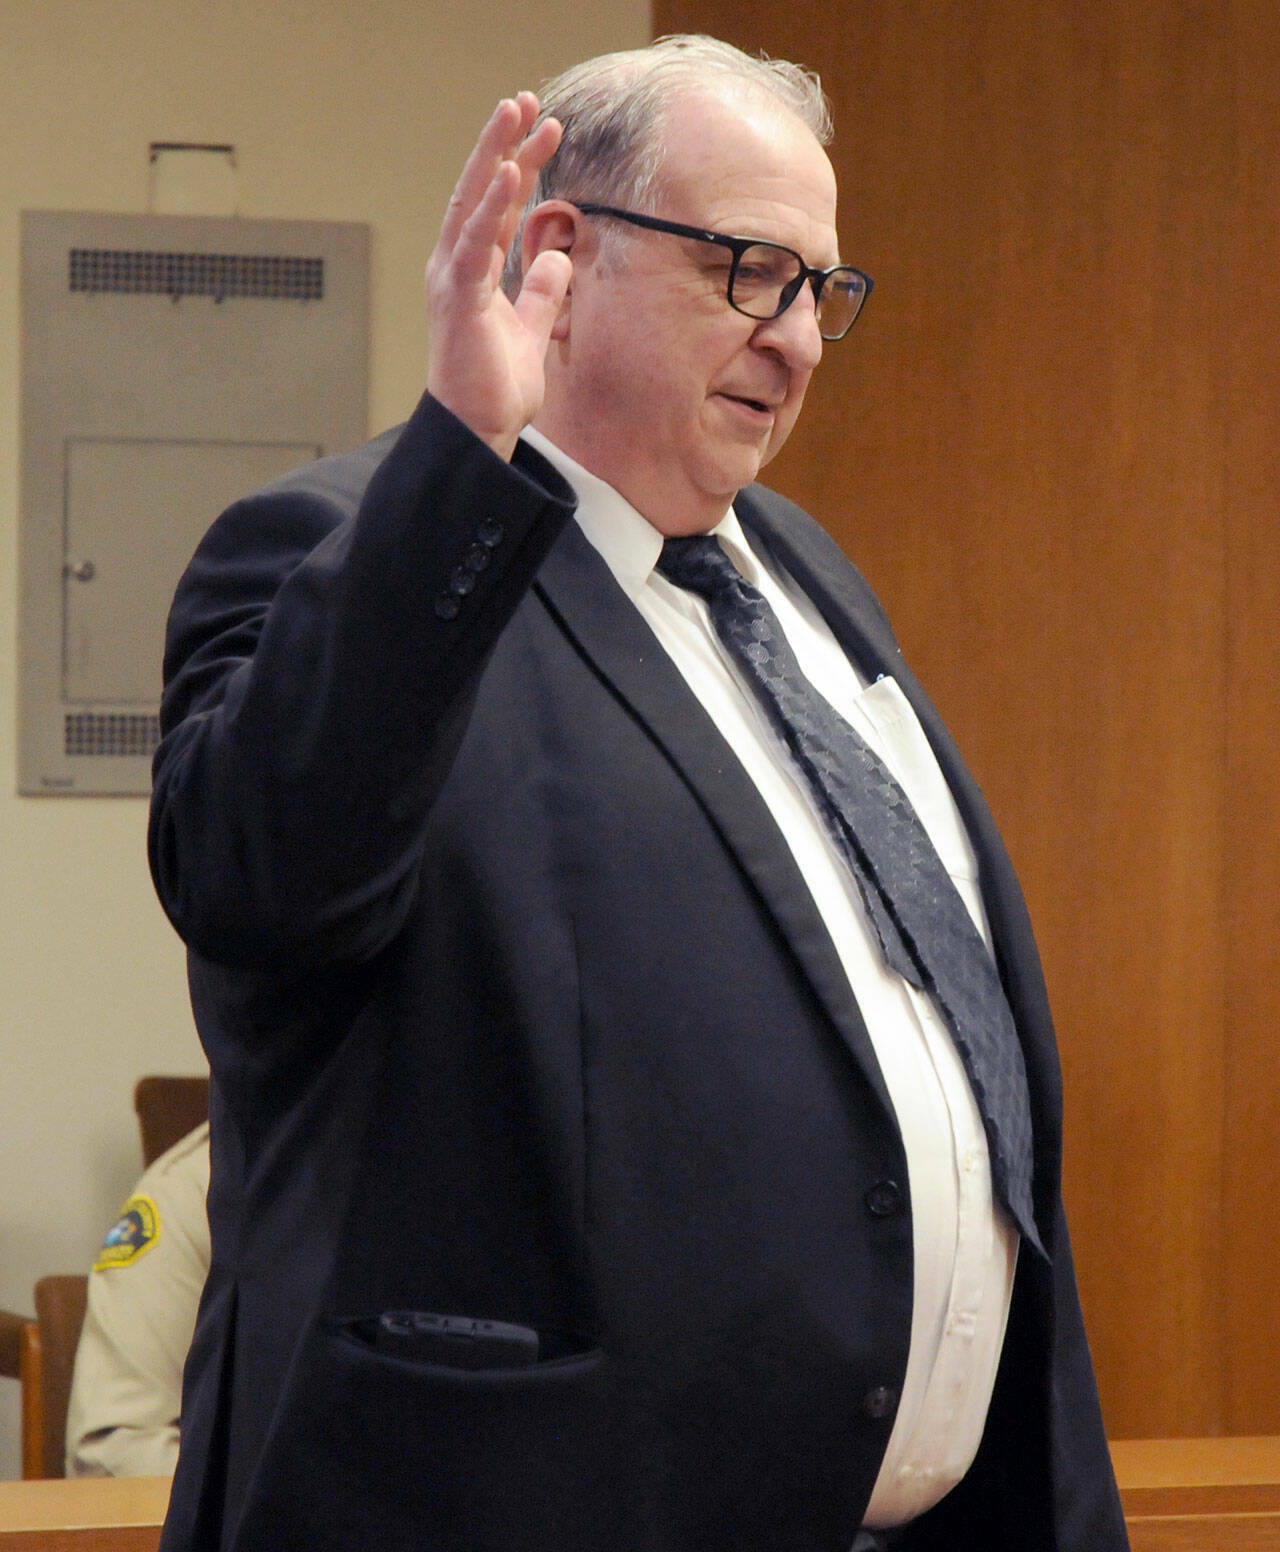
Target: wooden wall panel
(1248, 363)
(1050, 444)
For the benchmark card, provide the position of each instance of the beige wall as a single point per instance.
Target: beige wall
(338, 112)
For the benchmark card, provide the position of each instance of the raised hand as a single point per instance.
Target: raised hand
(485, 361)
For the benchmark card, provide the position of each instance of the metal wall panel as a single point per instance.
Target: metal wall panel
(170, 365)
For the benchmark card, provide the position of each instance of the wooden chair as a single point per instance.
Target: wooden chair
(41, 1354)
(19, 1359)
(168, 1108)
(11, 1333)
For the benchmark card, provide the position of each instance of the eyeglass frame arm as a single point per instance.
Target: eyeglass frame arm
(737, 246)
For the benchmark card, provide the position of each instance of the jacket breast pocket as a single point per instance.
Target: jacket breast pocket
(370, 1448)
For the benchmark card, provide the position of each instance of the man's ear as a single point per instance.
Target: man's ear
(551, 225)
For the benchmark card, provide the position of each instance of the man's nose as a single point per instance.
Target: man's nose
(794, 333)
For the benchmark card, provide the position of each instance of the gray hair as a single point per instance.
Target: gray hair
(612, 108)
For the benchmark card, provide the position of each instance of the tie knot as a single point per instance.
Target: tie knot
(699, 564)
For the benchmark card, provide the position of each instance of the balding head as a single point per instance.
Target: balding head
(613, 110)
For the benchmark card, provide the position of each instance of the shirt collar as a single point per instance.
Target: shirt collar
(627, 540)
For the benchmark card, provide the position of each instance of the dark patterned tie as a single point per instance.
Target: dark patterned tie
(924, 928)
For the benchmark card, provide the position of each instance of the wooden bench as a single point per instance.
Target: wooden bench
(88, 1514)
(1200, 1495)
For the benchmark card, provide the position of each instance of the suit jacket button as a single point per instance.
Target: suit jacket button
(477, 557)
(884, 1199)
(462, 581)
(881, 1403)
(447, 607)
(490, 533)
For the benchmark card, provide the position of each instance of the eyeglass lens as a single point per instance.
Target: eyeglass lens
(765, 274)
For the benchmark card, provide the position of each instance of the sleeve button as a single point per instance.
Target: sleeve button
(490, 533)
(447, 607)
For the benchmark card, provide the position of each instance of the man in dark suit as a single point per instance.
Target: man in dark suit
(594, 1166)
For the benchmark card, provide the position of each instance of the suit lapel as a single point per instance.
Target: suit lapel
(581, 593)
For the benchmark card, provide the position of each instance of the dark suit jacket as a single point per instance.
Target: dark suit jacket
(518, 1008)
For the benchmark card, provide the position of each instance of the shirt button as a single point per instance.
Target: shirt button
(880, 1403)
(883, 1199)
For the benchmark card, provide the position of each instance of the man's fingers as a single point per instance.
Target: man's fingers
(527, 103)
(532, 155)
(477, 172)
(535, 150)
(499, 142)
(471, 260)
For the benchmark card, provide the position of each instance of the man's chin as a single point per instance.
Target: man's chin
(748, 467)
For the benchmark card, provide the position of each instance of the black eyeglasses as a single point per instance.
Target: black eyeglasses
(765, 278)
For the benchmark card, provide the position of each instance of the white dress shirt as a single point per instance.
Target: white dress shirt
(965, 1248)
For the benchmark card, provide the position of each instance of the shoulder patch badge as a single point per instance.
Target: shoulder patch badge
(131, 1235)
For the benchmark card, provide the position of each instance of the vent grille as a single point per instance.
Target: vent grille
(110, 732)
(273, 276)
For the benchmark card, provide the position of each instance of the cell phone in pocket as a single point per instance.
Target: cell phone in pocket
(456, 1341)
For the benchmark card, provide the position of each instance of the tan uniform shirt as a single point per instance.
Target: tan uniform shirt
(126, 1393)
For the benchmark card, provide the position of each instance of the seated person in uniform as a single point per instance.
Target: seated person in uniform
(122, 1420)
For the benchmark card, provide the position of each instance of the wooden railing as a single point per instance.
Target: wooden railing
(1180, 1495)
